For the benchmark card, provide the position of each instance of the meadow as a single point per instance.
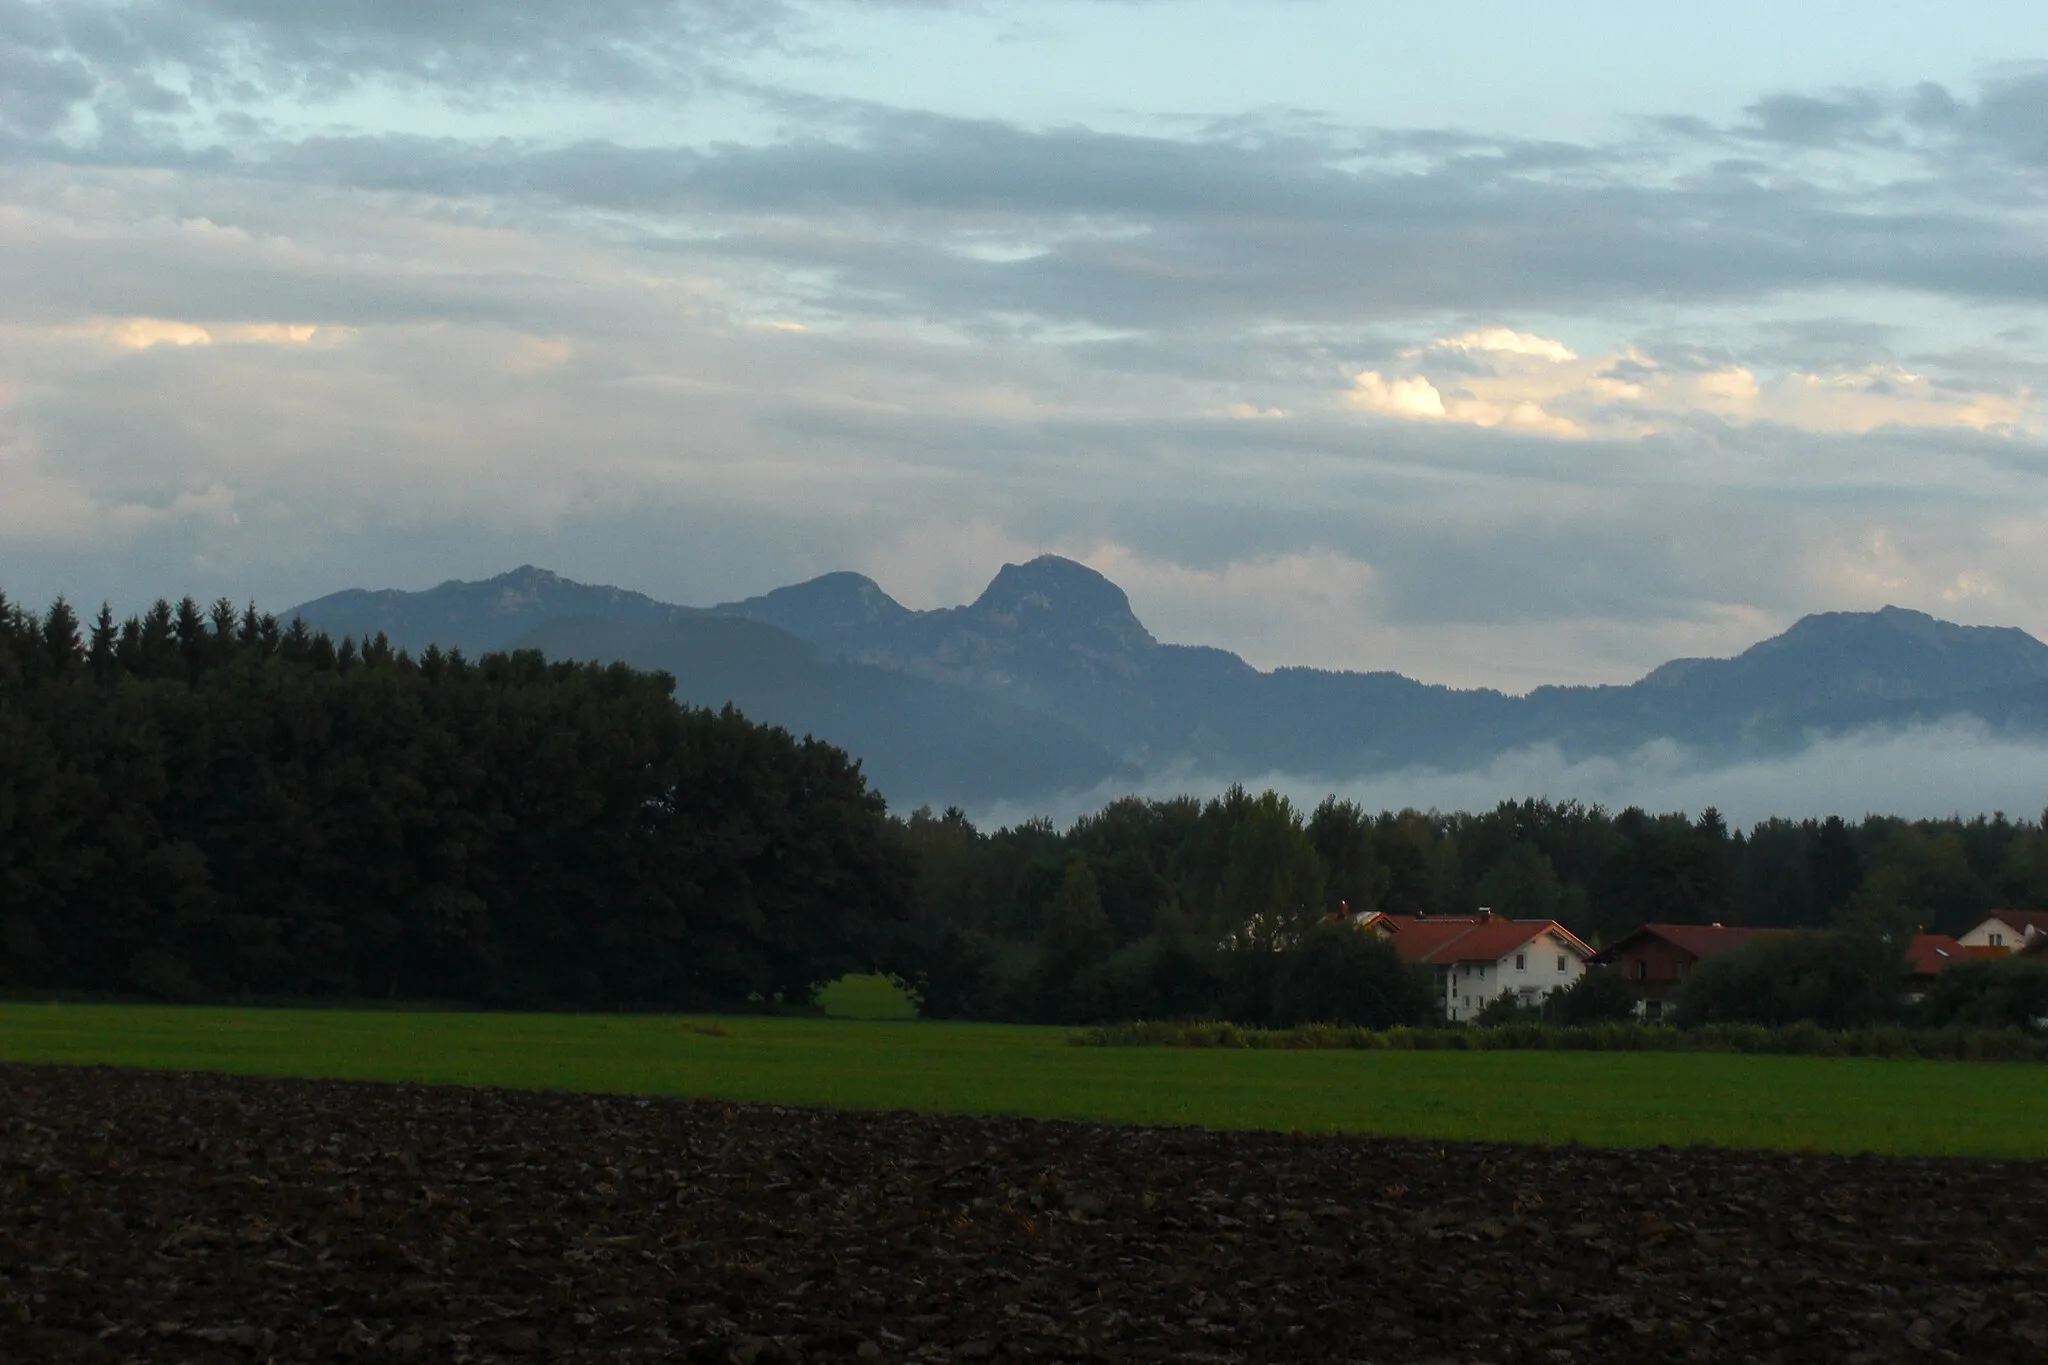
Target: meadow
(1600, 1099)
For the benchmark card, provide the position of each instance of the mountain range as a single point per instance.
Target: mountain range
(1048, 683)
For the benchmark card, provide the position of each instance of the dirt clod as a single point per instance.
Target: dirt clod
(155, 1216)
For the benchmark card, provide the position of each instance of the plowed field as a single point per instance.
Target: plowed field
(160, 1216)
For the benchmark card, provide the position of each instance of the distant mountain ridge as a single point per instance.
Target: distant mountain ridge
(480, 616)
(1049, 682)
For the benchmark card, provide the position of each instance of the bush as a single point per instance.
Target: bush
(1601, 996)
(1839, 979)
(1340, 976)
(2003, 993)
(1507, 1008)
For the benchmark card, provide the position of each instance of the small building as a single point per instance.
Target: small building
(1479, 958)
(1929, 955)
(1657, 958)
(2012, 930)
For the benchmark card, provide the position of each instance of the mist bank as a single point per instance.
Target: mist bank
(1047, 694)
(1958, 766)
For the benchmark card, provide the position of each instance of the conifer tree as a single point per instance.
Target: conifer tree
(61, 641)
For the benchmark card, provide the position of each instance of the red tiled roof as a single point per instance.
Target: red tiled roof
(1497, 939)
(1417, 939)
(1932, 954)
(1700, 940)
(1442, 940)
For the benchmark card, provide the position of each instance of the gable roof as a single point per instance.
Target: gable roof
(2036, 920)
(1467, 938)
(1697, 940)
(1416, 937)
(1495, 940)
(1932, 954)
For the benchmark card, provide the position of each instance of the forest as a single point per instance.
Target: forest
(1121, 915)
(206, 803)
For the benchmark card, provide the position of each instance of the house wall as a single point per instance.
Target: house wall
(1467, 989)
(1994, 933)
(1654, 968)
(1470, 986)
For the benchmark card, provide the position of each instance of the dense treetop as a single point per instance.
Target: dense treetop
(200, 802)
(1246, 871)
(206, 802)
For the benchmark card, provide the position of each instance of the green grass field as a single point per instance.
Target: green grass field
(1612, 1099)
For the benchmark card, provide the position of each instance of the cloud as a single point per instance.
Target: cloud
(2005, 122)
(1928, 772)
(1686, 385)
(1412, 397)
(169, 56)
(1533, 384)
(139, 334)
(1267, 606)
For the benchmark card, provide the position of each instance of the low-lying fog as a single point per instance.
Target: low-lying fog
(1954, 767)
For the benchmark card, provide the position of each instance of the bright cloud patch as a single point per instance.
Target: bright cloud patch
(140, 334)
(1517, 381)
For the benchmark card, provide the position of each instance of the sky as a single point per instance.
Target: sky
(1493, 345)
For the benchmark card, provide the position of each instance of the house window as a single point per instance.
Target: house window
(1639, 969)
(1521, 962)
(1560, 961)
(1998, 940)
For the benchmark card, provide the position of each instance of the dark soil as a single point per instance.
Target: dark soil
(196, 1218)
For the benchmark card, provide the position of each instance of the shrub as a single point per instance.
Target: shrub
(1600, 996)
(2003, 993)
(1840, 979)
(1340, 976)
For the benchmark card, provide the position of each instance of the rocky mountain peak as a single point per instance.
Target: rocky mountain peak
(1892, 653)
(1051, 595)
(823, 609)
(523, 588)
(1904, 632)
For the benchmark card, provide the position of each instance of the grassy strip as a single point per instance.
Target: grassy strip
(866, 997)
(1797, 1040)
(1617, 1099)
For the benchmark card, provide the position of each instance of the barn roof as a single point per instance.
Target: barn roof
(1696, 940)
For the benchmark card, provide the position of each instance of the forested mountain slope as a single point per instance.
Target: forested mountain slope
(1048, 680)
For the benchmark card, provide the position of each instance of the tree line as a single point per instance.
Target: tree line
(209, 803)
(205, 802)
(1147, 909)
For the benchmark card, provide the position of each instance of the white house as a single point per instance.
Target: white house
(1482, 957)
(2011, 930)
